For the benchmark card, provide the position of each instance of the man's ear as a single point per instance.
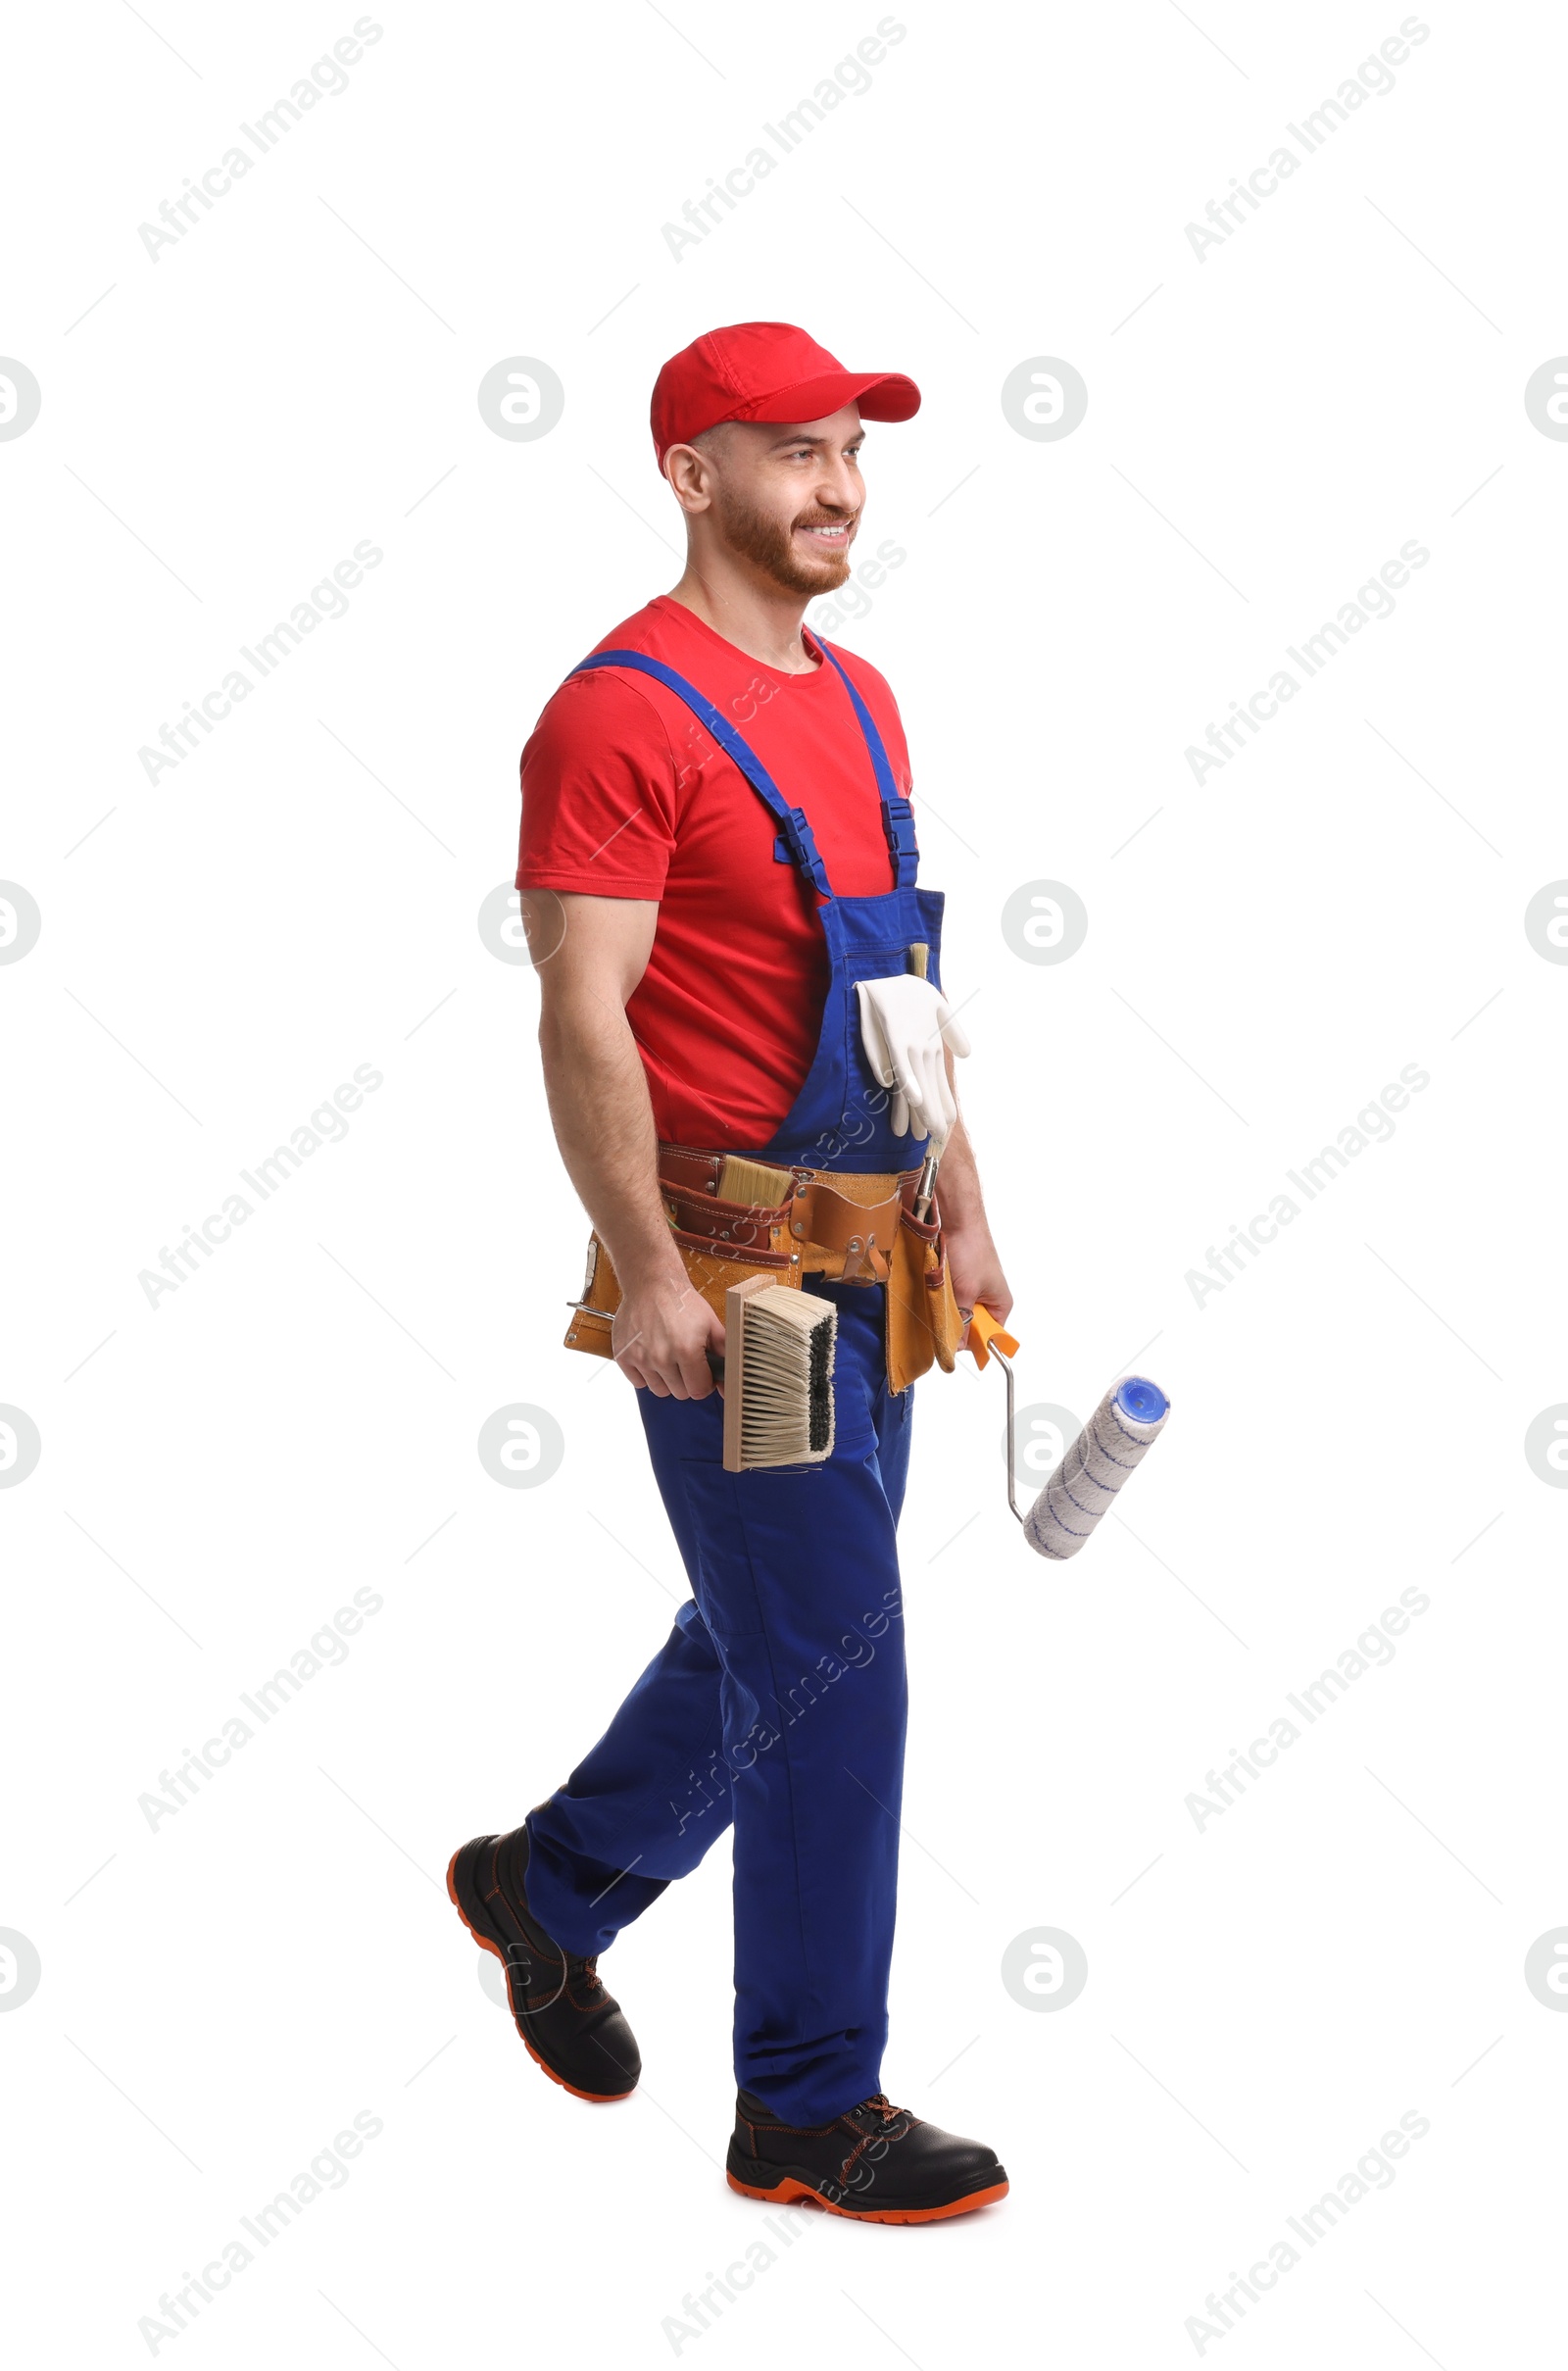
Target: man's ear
(691, 477)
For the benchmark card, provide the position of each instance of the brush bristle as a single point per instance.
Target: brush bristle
(786, 1347)
(754, 1183)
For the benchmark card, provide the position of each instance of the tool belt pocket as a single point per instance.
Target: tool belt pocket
(923, 1325)
(712, 1271)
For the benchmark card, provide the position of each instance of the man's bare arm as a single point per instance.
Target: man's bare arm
(972, 1260)
(590, 954)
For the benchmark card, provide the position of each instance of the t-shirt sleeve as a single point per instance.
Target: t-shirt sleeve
(598, 785)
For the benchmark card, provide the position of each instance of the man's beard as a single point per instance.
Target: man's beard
(771, 547)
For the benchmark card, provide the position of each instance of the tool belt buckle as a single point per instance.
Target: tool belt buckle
(867, 1254)
(829, 1221)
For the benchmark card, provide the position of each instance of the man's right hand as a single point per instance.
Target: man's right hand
(661, 1335)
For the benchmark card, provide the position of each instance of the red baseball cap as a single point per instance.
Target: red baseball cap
(765, 371)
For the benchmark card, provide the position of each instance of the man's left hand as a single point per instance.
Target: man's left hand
(976, 1270)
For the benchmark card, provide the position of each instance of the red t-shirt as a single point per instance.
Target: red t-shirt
(627, 795)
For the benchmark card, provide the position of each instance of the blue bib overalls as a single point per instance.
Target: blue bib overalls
(778, 1700)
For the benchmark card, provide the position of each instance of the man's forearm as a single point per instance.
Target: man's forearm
(975, 1267)
(962, 1202)
(603, 1123)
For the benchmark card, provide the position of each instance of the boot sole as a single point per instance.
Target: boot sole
(790, 2190)
(487, 1942)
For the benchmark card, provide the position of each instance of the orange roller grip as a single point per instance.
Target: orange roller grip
(984, 1330)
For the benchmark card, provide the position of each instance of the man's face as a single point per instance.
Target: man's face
(789, 499)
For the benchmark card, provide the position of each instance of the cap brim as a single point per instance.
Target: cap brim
(880, 394)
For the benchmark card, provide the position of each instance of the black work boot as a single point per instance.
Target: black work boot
(875, 2162)
(572, 2026)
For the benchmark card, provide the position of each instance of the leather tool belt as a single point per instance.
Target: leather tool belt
(831, 1223)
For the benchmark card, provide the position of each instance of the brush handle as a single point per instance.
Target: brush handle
(919, 961)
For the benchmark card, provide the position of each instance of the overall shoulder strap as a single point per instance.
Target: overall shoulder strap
(792, 822)
(897, 816)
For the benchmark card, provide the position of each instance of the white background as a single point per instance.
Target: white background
(1265, 427)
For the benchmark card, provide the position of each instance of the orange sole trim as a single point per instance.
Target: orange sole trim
(598, 2098)
(789, 2191)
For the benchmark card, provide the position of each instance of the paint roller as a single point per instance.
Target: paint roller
(1115, 1440)
(1094, 1465)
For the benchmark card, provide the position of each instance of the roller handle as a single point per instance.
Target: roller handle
(987, 1332)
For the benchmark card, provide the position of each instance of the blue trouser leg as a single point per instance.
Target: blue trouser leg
(778, 1700)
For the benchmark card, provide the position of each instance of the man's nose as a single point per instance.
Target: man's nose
(839, 489)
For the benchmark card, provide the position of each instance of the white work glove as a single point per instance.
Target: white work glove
(904, 1022)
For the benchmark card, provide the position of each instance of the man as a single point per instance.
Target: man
(739, 980)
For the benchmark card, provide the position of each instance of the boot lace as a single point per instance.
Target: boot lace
(882, 2107)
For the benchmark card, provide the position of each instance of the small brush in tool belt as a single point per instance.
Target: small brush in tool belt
(834, 1221)
(740, 1222)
